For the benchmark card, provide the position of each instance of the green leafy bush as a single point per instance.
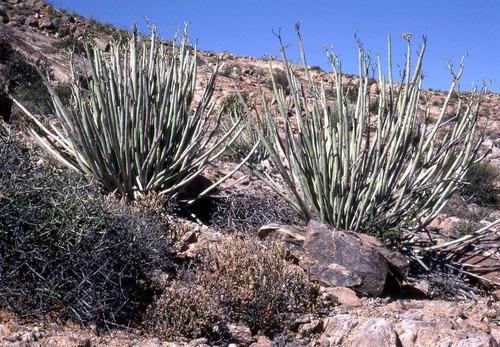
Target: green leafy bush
(351, 168)
(133, 125)
(66, 252)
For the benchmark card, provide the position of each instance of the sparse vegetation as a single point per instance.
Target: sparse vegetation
(483, 185)
(238, 281)
(246, 213)
(339, 153)
(22, 79)
(59, 242)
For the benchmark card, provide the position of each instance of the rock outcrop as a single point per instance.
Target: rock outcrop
(342, 258)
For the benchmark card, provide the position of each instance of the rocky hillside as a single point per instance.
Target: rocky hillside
(432, 311)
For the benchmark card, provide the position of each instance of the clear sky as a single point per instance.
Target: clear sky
(452, 27)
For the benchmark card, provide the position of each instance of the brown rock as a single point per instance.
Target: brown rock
(479, 325)
(308, 329)
(31, 21)
(480, 339)
(241, 334)
(327, 245)
(262, 341)
(103, 43)
(341, 258)
(343, 296)
(337, 328)
(377, 332)
(45, 23)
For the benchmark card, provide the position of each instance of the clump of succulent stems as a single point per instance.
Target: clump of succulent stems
(354, 168)
(133, 122)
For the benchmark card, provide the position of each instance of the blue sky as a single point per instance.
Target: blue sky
(452, 27)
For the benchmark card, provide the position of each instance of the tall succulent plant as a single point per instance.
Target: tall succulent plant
(355, 169)
(133, 124)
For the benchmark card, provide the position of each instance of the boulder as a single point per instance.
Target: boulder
(45, 23)
(337, 328)
(480, 339)
(375, 332)
(341, 258)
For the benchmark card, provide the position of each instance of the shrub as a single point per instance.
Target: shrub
(134, 128)
(246, 213)
(23, 81)
(246, 147)
(481, 188)
(66, 252)
(279, 79)
(241, 282)
(387, 170)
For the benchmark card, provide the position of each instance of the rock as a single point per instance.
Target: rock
(479, 339)
(479, 325)
(449, 223)
(343, 296)
(308, 329)
(496, 294)
(336, 329)
(31, 21)
(45, 23)
(375, 332)
(102, 43)
(262, 341)
(341, 258)
(3, 10)
(420, 289)
(416, 332)
(330, 246)
(495, 332)
(240, 334)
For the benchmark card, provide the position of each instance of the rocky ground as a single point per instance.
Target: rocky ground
(354, 322)
(416, 318)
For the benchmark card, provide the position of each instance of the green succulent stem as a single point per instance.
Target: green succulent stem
(133, 122)
(353, 166)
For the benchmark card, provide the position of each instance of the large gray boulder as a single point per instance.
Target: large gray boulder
(341, 258)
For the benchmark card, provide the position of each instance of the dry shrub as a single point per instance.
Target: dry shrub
(246, 213)
(65, 252)
(240, 281)
(482, 188)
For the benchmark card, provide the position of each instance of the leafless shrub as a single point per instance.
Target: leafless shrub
(246, 213)
(239, 281)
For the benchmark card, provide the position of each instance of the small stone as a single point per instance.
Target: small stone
(45, 23)
(240, 334)
(480, 325)
(344, 296)
(496, 294)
